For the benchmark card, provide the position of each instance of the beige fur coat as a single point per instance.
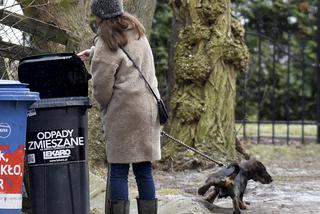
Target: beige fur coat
(129, 111)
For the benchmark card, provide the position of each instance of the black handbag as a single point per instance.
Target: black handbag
(162, 110)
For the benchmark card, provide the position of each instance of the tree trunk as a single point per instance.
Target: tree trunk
(209, 55)
(143, 10)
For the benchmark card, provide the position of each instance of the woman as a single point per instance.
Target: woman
(128, 108)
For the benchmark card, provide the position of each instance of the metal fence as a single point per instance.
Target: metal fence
(22, 36)
(276, 98)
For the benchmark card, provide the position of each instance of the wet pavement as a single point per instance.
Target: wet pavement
(295, 190)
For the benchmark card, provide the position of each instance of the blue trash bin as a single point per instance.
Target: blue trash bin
(15, 99)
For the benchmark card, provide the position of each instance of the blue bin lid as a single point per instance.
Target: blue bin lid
(12, 84)
(11, 90)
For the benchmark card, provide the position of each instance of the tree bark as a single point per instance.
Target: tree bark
(209, 55)
(143, 10)
(176, 27)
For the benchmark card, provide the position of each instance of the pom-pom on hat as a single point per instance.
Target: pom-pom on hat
(107, 9)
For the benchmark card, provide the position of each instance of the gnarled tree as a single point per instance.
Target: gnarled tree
(209, 55)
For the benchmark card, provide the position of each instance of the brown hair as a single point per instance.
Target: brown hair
(112, 31)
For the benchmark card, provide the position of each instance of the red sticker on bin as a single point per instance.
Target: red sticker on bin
(11, 177)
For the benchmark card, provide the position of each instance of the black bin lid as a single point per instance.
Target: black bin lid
(55, 75)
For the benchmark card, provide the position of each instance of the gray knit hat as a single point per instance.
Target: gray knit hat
(107, 9)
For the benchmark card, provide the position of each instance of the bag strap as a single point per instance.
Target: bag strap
(135, 65)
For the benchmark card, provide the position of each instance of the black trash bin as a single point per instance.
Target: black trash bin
(56, 141)
(55, 75)
(57, 156)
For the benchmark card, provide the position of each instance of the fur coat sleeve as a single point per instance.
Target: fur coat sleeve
(103, 73)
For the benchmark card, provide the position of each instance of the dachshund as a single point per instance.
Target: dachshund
(231, 181)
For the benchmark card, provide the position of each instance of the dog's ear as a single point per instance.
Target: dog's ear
(259, 163)
(255, 166)
(249, 165)
(261, 166)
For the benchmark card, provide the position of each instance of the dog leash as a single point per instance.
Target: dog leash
(191, 148)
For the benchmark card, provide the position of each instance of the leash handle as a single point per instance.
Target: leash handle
(191, 148)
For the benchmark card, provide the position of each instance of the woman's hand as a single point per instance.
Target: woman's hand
(84, 55)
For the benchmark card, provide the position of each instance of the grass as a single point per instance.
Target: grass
(303, 156)
(169, 191)
(284, 152)
(280, 130)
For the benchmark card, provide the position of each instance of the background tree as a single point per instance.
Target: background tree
(160, 43)
(285, 31)
(209, 55)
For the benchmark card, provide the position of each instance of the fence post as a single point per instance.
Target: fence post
(318, 72)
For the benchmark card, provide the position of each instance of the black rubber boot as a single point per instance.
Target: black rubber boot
(118, 207)
(147, 206)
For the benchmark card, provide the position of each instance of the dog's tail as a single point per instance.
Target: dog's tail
(235, 172)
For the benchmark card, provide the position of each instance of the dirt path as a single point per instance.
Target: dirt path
(295, 190)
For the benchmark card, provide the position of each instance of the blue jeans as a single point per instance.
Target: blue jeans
(144, 179)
